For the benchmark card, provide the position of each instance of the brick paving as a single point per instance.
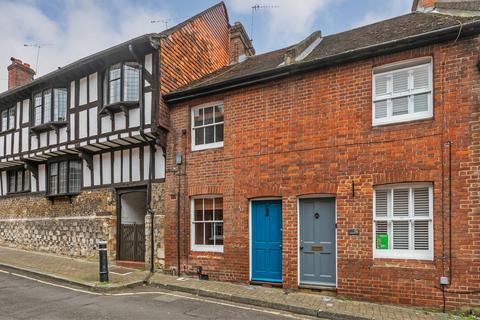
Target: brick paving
(77, 271)
(85, 273)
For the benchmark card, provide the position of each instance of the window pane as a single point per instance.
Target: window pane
(421, 77)
(197, 117)
(218, 216)
(208, 209)
(420, 102)
(199, 238)
(219, 113)
(115, 72)
(26, 181)
(400, 106)
(219, 234)
(60, 107)
(219, 133)
(62, 177)
(421, 235)
(381, 85)
(421, 202)
(19, 180)
(47, 107)
(131, 82)
(11, 181)
(400, 202)
(381, 234)
(38, 109)
(11, 122)
(199, 136)
(209, 134)
(400, 81)
(53, 178)
(75, 177)
(209, 234)
(5, 120)
(208, 115)
(381, 109)
(381, 204)
(400, 234)
(198, 207)
(114, 91)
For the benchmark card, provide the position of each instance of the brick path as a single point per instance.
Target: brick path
(77, 271)
(85, 273)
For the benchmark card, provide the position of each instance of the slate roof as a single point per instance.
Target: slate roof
(346, 43)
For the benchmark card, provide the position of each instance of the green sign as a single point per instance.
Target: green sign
(382, 241)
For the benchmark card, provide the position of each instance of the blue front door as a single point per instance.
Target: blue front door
(267, 241)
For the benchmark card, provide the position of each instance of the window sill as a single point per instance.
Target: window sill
(207, 248)
(216, 145)
(377, 123)
(407, 255)
(68, 196)
(53, 125)
(122, 106)
(18, 193)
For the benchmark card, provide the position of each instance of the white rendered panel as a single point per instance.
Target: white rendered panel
(43, 139)
(148, 108)
(92, 87)
(146, 162)
(8, 143)
(19, 107)
(126, 166)
(120, 121)
(148, 62)
(134, 117)
(159, 164)
(96, 170)
(4, 182)
(93, 122)
(106, 124)
(2, 146)
(25, 139)
(87, 178)
(82, 124)
(63, 135)
(83, 91)
(117, 167)
(16, 142)
(107, 168)
(72, 127)
(136, 164)
(26, 109)
(33, 142)
(53, 138)
(72, 94)
(41, 177)
(33, 183)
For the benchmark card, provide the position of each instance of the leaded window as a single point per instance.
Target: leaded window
(64, 177)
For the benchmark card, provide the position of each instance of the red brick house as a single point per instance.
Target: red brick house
(346, 162)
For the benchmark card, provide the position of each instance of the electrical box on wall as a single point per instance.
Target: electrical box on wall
(444, 281)
(178, 159)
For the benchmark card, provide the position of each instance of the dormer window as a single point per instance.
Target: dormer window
(8, 119)
(122, 83)
(50, 106)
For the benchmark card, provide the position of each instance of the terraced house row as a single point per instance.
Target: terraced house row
(345, 162)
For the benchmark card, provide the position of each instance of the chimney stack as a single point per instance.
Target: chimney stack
(240, 45)
(19, 73)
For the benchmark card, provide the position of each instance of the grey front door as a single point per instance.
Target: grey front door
(317, 242)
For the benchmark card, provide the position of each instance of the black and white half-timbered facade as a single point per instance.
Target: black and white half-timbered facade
(83, 148)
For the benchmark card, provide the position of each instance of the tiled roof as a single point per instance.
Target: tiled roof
(400, 28)
(459, 5)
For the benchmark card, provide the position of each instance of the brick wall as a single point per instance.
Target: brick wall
(312, 134)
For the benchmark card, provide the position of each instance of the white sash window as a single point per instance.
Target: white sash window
(403, 222)
(403, 92)
(207, 126)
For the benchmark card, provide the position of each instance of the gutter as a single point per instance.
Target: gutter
(410, 42)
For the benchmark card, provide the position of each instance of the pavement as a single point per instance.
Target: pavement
(84, 274)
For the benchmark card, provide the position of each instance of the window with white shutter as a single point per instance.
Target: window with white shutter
(403, 92)
(403, 221)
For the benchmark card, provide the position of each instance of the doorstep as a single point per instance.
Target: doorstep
(317, 305)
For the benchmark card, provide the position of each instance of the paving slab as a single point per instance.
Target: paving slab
(76, 271)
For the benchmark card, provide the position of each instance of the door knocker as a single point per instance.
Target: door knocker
(317, 215)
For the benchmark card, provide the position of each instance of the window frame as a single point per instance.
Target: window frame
(212, 145)
(57, 177)
(11, 125)
(15, 172)
(53, 106)
(407, 254)
(205, 247)
(107, 80)
(389, 69)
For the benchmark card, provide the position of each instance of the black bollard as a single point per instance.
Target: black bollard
(102, 252)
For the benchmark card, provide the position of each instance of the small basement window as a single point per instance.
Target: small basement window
(403, 92)
(64, 177)
(121, 86)
(403, 222)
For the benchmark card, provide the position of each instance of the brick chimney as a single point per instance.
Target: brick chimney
(19, 73)
(240, 45)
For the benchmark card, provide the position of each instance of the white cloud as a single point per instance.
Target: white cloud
(290, 22)
(393, 9)
(86, 27)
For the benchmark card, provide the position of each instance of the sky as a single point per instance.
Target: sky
(68, 30)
